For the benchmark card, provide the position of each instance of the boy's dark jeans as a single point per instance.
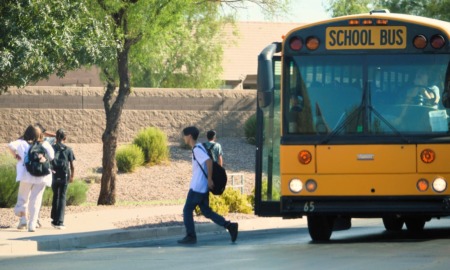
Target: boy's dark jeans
(202, 200)
(59, 188)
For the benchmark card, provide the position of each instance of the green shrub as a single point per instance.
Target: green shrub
(8, 185)
(250, 129)
(153, 143)
(231, 201)
(264, 195)
(76, 194)
(237, 202)
(129, 157)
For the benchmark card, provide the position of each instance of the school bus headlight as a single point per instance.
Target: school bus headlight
(312, 43)
(295, 43)
(311, 185)
(422, 185)
(427, 156)
(304, 157)
(439, 184)
(437, 41)
(295, 185)
(420, 41)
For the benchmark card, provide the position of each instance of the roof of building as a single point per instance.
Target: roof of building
(240, 57)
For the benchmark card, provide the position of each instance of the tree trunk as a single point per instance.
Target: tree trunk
(113, 114)
(114, 111)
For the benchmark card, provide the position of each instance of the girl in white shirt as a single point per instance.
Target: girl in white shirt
(31, 188)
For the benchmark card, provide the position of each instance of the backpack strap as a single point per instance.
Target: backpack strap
(209, 150)
(199, 162)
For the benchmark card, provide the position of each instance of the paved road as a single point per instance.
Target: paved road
(365, 246)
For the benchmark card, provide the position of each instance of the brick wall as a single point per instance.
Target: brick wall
(80, 111)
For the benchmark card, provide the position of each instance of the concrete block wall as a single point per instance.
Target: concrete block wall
(80, 111)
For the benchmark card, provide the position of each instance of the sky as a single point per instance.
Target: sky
(300, 11)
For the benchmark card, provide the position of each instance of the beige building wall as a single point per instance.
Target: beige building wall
(80, 111)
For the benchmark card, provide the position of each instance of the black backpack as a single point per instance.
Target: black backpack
(32, 161)
(60, 164)
(219, 175)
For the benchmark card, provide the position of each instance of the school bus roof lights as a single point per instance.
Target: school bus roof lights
(353, 22)
(367, 22)
(422, 185)
(439, 185)
(382, 22)
(437, 41)
(420, 41)
(295, 185)
(295, 43)
(312, 43)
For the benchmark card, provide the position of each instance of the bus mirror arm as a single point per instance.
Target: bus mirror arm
(265, 80)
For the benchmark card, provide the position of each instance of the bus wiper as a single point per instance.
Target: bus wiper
(365, 106)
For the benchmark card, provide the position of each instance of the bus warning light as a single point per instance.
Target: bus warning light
(304, 157)
(312, 43)
(420, 42)
(422, 185)
(311, 185)
(382, 22)
(296, 43)
(353, 22)
(437, 41)
(367, 22)
(427, 156)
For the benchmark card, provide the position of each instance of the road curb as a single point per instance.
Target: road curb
(98, 238)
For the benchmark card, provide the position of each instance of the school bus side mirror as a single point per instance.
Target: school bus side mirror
(265, 80)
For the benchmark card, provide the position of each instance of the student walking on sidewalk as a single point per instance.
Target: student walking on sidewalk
(31, 188)
(63, 172)
(198, 192)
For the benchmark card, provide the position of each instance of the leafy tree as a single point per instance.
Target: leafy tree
(40, 38)
(438, 9)
(338, 8)
(135, 24)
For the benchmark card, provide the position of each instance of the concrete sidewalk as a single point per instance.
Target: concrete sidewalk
(96, 228)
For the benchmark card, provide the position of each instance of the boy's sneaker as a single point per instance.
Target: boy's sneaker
(22, 223)
(233, 230)
(188, 239)
(59, 227)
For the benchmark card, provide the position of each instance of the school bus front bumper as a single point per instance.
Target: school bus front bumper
(433, 206)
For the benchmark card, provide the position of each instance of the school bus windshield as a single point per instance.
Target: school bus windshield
(365, 94)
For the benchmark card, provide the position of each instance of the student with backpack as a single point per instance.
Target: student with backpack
(198, 192)
(33, 172)
(63, 172)
(214, 147)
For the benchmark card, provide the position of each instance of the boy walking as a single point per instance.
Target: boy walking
(63, 172)
(198, 192)
(214, 147)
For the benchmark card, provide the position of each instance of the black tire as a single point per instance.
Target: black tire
(415, 224)
(320, 227)
(393, 224)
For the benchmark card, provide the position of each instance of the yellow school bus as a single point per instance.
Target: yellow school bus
(353, 123)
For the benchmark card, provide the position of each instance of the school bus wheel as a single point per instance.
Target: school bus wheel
(393, 223)
(320, 227)
(415, 224)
